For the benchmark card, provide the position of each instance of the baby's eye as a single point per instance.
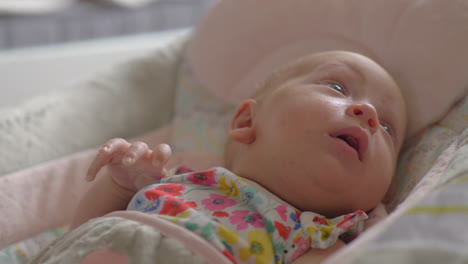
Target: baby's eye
(336, 87)
(387, 128)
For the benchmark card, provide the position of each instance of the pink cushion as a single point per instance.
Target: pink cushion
(46, 196)
(423, 44)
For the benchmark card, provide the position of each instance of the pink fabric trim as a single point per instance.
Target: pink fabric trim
(195, 243)
(46, 196)
(42, 197)
(105, 256)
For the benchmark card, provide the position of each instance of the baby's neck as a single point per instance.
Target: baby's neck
(282, 187)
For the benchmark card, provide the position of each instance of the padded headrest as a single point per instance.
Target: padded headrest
(423, 44)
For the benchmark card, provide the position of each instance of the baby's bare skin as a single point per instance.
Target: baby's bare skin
(121, 168)
(322, 137)
(125, 168)
(131, 165)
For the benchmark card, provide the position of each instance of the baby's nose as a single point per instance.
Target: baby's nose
(367, 114)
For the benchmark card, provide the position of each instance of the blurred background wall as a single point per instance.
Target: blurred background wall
(84, 20)
(42, 50)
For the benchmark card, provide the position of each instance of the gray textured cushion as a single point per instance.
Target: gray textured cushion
(132, 98)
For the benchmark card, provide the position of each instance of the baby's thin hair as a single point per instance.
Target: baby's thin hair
(279, 76)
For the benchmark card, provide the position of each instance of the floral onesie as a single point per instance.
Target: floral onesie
(244, 221)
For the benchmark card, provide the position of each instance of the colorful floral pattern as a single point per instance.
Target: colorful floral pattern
(171, 189)
(244, 222)
(202, 177)
(259, 247)
(229, 188)
(173, 206)
(243, 218)
(217, 202)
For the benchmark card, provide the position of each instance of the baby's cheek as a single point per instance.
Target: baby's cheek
(379, 181)
(325, 173)
(386, 167)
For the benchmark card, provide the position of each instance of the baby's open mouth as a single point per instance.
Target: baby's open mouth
(352, 141)
(355, 137)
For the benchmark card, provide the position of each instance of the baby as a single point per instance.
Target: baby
(307, 156)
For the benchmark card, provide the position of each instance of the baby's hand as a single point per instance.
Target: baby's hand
(132, 166)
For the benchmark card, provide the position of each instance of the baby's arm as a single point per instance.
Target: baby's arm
(123, 168)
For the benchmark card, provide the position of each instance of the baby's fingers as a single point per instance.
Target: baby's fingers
(137, 151)
(161, 155)
(113, 146)
(105, 154)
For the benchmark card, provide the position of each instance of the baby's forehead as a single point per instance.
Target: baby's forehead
(317, 61)
(360, 67)
(308, 64)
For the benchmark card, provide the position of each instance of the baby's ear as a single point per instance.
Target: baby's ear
(241, 128)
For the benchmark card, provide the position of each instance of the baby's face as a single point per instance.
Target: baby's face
(328, 135)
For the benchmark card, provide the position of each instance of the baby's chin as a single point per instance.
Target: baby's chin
(336, 206)
(332, 213)
(340, 193)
